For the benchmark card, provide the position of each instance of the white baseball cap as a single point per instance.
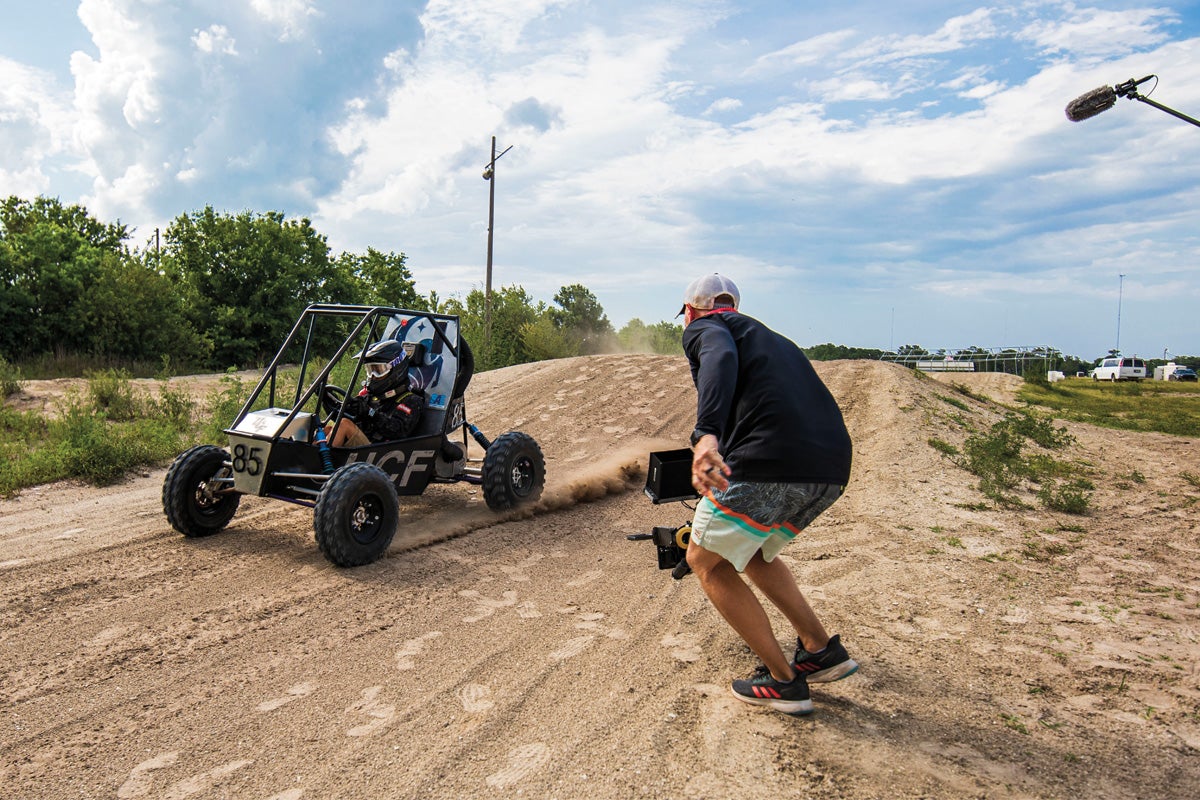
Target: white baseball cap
(703, 292)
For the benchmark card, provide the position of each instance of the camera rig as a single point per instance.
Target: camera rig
(669, 480)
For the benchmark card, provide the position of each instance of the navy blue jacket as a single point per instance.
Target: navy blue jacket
(759, 394)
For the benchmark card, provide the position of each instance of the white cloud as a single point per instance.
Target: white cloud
(859, 87)
(121, 97)
(983, 90)
(482, 27)
(1098, 33)
(215, 39)
(955, 34)
(815, 50)
(722, 106)
(36, 118)
(289, 17)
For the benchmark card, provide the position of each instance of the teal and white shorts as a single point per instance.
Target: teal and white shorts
(749, 517)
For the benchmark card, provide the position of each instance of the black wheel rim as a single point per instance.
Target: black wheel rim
(522, 476)
(206, 500)
(366, 519)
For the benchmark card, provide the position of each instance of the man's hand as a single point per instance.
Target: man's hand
(709, 470)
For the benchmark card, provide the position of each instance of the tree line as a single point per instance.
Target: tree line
(221, 290)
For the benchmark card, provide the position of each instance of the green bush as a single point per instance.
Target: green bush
(174, 406)
(86, 444)
(110, 391)
(221, 408)
(997, 457)
(1071, 497)
(1040, 430)
(10, 379)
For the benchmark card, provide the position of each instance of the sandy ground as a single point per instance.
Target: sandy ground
(1005, 653)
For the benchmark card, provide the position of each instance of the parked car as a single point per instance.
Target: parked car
(1120, 368)
(1182, 374)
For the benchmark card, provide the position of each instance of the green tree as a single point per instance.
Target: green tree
(664, 337)
(382, 279)
(69, 285)
(512, 310)
(543, 340)
(581, 320)
(247, 277)
(833, 352)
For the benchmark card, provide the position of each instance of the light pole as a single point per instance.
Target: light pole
(1120, 292)
(489, 175)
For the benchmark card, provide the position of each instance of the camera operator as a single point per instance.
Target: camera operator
(771, 452)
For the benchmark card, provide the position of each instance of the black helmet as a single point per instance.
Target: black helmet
(386, 364)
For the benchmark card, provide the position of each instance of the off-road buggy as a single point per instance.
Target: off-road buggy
(277, 444)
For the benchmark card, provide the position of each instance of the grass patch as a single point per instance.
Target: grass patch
(1163, 406)
(108, 428)
(1014, 722)
(100, 433)
(72, 365)
(945, 448)
(959, 404)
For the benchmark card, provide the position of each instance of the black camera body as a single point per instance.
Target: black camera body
(669, 480)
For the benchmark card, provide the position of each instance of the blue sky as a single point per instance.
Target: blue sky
(875, 175)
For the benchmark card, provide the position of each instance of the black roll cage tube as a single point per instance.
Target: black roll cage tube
(369, 314)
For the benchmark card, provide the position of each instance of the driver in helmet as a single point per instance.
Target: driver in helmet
(388, 406)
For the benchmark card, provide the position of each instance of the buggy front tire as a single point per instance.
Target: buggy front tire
(197, 495)
(356, 515)
(514, 471)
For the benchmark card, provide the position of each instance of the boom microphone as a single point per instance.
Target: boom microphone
(1091, 104)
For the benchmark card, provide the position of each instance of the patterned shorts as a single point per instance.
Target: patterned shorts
(749, 517)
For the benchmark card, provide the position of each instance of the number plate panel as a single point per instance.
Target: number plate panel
(249, 458)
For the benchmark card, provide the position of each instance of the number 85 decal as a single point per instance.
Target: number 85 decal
(245, 459)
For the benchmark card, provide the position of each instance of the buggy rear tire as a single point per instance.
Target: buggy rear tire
(197, 496)
(514, 471)
(356, 515)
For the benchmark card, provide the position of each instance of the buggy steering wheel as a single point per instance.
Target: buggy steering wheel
(332, 398)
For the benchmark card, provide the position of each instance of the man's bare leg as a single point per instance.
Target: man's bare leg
(736, 602)
(776, 581)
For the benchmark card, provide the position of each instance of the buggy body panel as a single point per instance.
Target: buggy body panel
(286, 469)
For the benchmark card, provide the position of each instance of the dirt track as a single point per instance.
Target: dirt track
(1005, 653)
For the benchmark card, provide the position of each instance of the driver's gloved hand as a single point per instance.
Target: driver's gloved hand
(354, 408)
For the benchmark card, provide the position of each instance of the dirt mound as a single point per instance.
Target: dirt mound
(997, 386)
(1005, 653)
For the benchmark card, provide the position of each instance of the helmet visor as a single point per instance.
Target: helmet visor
(378, 370)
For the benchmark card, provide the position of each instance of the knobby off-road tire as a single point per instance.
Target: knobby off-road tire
(356, 515)
(194, 502)
(514, 471)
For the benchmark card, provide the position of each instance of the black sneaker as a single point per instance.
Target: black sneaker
(763, 690)
(831, 664)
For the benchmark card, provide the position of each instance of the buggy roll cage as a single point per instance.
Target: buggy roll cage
(371, 317)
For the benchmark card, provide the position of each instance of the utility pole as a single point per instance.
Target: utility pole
(489, 175)
(1120, 292)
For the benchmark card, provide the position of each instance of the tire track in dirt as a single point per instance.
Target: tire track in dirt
(543, 655)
